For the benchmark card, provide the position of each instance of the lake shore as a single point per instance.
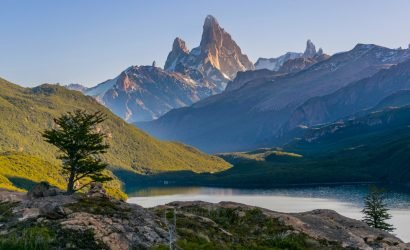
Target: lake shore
(346, 200)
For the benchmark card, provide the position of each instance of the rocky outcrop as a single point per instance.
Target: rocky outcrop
(179, 52)
(97, 222)
(221, 50)
(310, 50)
(43, 189)
(81, 221)
(321, 225)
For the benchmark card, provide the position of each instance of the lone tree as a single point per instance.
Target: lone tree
(375, 210)
(80, 143)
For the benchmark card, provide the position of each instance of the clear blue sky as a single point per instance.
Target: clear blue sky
(89, 41)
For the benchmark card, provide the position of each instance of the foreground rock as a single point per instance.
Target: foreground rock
(95, 221)
(317, 229)
(80, 221)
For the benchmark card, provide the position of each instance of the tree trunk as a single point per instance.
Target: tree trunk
(70, 185)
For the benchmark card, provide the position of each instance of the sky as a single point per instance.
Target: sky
(90, 41)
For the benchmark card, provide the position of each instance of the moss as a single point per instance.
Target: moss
(99, 206)
(73, 240)
(6, 210)
(236, 228)
(32, 235)
(36, 238)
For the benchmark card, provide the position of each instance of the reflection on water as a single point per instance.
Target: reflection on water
(346, 200)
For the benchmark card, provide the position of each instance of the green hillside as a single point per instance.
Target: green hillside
(26, 112)
(21, 172)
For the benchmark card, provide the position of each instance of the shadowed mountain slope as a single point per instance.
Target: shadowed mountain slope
(251, 115)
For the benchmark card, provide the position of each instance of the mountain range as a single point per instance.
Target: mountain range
(257, 111)
(144, 93)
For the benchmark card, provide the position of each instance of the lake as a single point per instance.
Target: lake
(346, 200)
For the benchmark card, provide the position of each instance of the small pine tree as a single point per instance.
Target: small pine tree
(375, 210)
(80, 144)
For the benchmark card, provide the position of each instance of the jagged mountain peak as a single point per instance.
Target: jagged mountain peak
(218, 47)
(179, 51)
(218, 57)
(310, 50)
(212, 34)
(210, 21)
(179, 44)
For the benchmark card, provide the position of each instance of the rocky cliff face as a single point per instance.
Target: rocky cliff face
(310, 50)
(218, 57)
(179, 52)
(221, 50)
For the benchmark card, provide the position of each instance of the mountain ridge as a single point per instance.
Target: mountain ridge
(240, 119)
(355, 97)
(277, 63)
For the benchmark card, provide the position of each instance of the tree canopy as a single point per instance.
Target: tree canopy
(375, 210)
(81, 143)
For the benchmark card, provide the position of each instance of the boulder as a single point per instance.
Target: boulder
(97, 191)
(43, 189)
(53, 211)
